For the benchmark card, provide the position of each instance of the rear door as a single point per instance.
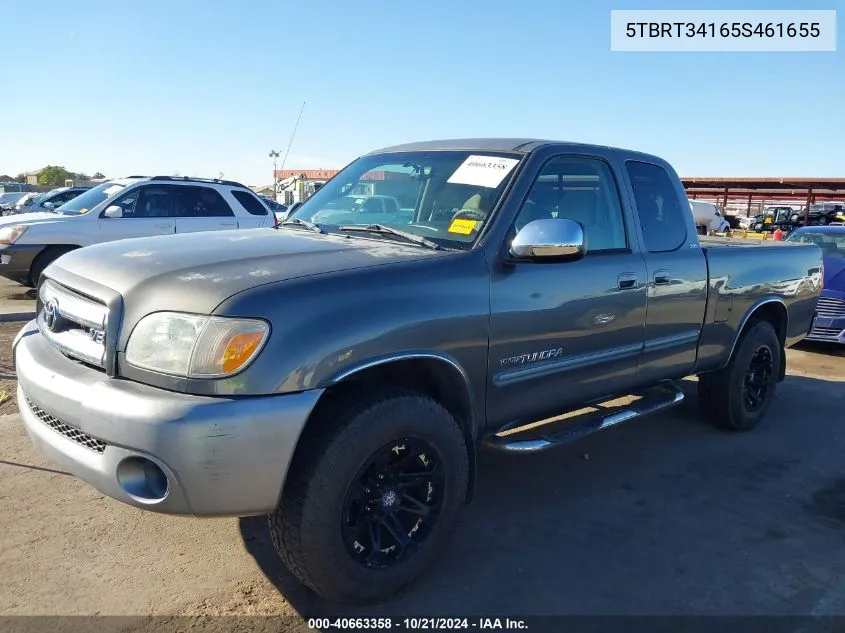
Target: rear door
(146, 211)
(563, 333)
(198, 208)
(677, 273)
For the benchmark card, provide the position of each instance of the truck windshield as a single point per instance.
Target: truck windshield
(84, 202)
(445, 196)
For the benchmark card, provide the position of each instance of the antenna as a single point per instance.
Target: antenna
(292, 135)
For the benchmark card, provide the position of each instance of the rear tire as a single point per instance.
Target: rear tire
(335, 523)
(737, 397)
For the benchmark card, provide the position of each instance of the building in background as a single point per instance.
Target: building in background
(297, 185)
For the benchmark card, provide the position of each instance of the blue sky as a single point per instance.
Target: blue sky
(199, 88)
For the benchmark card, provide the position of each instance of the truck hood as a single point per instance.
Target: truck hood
(32, 218)
(195, 272)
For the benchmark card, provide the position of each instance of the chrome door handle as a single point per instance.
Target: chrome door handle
(628, 281)
(661, 278)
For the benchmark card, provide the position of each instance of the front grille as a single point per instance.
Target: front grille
(70, 432)
(74, 324)
(829, 307)
(825, 332)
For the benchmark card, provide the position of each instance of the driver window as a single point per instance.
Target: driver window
(580, 189)
(128, 202)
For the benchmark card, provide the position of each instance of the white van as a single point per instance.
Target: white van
(707, 217)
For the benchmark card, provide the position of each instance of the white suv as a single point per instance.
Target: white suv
(127, 207)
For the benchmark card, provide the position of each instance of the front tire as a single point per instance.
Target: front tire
(737, 397)
(44, 259)
(372, 496)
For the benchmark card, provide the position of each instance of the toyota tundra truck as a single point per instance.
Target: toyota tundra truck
(340, 376)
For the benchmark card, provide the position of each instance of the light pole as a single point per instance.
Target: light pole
(274, 155)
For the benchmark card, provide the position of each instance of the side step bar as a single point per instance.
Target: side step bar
(573, 426)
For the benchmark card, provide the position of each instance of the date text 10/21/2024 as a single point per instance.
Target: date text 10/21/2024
(418, 623)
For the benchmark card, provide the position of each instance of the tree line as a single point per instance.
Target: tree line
(54, 175)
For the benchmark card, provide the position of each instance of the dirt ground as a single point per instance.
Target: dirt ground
(664, 516)
(8, 384)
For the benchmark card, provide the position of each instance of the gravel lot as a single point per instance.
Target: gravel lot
(665, 516)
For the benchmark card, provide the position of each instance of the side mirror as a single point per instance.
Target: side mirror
(48, 205)
(114, 211)
(549, 239)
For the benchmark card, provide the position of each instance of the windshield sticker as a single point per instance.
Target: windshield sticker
(462, 227)
(483, 171)
(112, 189)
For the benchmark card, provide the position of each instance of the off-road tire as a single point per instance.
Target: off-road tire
(721, 394)
(306, 527)
(44, 259)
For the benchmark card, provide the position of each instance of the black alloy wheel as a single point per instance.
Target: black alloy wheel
(758, 378)
(393, 503)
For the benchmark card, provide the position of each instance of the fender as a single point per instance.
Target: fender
(754, 307)
(470, 434)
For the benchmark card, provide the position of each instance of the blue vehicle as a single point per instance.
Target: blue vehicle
(829, 322)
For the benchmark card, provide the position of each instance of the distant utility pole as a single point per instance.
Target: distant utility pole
(274, 155)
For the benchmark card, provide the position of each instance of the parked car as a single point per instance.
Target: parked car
(49, 200)
(368, 209)
(746, 222)
(24, 201)
(9, 199)
(280, 211)
(829, 321)
(340, 376)
(125, 208)
(708, 217)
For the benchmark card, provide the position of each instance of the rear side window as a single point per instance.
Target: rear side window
(198, 202)
(249, 202)
(663, 222)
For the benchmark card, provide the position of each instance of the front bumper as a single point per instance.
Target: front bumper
(218, 456)
(829, 322)
(16, 261)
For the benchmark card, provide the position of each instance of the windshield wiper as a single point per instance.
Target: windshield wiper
(304, 224)
(378, 228)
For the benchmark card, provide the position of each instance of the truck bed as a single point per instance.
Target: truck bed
(744, 274)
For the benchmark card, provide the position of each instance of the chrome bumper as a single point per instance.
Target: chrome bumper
(205, 456)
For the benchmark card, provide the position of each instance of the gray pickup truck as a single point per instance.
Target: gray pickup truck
(340, 377)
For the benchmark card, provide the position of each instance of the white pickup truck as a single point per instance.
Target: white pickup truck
(137, 206)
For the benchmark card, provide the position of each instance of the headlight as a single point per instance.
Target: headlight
(195, 346)
(11, 234)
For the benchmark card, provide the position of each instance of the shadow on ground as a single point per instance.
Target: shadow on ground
(663, 516)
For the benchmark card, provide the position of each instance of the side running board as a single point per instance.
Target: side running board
(576, 425)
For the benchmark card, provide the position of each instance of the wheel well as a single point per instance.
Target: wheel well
(774, 313)
(435, 378)
(47, 252)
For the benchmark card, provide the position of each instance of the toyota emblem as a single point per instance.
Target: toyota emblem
(51, 314)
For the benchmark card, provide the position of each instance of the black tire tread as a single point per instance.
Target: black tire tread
(333, 418)
(714, 388)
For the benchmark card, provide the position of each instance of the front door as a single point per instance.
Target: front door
(563, 333)
(146, 211)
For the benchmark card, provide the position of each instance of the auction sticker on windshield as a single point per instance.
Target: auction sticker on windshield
(483, 171)
(461, 226)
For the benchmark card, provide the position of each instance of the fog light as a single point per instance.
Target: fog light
(142, 479)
